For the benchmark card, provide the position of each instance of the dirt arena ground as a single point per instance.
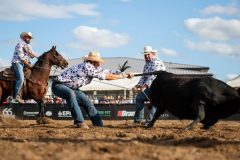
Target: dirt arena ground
(25, 140)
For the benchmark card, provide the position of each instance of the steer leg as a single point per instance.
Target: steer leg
(198, 106)
(158, 112)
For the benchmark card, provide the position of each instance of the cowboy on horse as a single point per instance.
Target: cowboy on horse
(22, 54)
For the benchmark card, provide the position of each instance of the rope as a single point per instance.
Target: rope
(146, 96)
(112, 84)
(148, 73)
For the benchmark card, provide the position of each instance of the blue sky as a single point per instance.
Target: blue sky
(197, 32)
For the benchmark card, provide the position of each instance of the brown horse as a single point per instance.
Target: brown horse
(37, 82)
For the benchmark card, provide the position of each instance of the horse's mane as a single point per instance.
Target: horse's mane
(40, 59)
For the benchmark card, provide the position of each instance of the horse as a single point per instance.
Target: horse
(37, 81)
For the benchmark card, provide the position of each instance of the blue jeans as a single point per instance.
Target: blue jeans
(75, 99)
(18, 68)
(139, 107)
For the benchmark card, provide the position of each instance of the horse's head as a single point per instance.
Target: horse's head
(56, 58)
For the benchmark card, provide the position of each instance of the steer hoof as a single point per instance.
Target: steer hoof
(149, 125)
(189, 127)
(206, 127)
(44, 120)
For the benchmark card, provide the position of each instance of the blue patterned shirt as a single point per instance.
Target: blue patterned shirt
(20, 54)
(82, 74)
(154, 65)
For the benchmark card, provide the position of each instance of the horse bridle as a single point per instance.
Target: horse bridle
(60, 61)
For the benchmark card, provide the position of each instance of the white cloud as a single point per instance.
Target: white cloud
(213, 47)
(169, 52)
(218, 9)
(232, 76)
(9, 41)
(12, 10)
(215, 28)
(4, 62)
(94, 38)
(65, 55)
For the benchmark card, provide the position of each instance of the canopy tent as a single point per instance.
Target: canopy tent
(234, 82)
(120, 84)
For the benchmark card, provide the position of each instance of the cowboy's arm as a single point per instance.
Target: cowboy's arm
(26, 63)
(110, 76)
(29, 51)
(32, 54)
(116, 74)
(103, 74)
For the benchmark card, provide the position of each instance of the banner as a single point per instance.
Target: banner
(62, 112)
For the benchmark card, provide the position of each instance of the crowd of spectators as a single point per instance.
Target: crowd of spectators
(55, 100)
(111, 100)
(94, 99)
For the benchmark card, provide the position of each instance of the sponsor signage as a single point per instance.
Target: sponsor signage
(62, 111)
(8, 112)
(64, 114)
(105, 113)
(124, 113)
(30, 114)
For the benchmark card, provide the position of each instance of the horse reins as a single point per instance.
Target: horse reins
(59, 62)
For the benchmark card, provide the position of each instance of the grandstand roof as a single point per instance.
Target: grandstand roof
(137, 66)
(235, 82)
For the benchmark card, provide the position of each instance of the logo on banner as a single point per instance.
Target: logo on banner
(30, 114)
(64, 114)
(125, 113)
(48, 113)
(8, 112)
(105, 113)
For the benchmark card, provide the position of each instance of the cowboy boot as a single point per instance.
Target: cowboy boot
(82, 125)
(97, 120)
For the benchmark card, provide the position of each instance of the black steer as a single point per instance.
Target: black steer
(203, 99)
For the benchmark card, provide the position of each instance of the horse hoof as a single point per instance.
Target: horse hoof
(44, 120)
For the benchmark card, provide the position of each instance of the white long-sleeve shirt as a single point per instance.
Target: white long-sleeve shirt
(154, 65)
(82, 74)
(20, 54)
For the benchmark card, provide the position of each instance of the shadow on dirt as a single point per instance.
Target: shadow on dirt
(201, 142)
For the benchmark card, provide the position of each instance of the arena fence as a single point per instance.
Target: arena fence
(62, 111)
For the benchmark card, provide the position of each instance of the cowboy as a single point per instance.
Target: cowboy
(22, 54)
(152, 63)
(68, 86)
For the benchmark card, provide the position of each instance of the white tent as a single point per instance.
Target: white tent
(234, 82)
(120, 84)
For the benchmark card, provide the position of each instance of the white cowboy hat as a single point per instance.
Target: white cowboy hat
(93, 56)
(23, 34)
(148, 49)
